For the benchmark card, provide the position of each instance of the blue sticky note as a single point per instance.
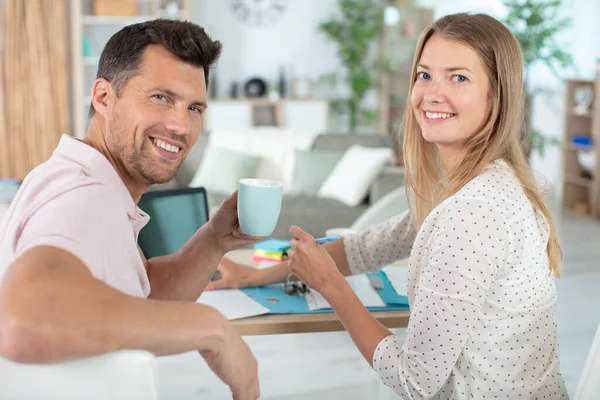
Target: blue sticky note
(272, 245)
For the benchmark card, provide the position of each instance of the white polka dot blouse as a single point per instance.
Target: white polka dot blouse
(481, 294)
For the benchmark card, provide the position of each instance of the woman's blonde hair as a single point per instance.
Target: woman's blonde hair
(498, 138)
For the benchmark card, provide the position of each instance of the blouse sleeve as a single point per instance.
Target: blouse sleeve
(371, 249)
(469, 245)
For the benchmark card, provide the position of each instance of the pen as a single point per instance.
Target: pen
(322, 240)
(328, 239)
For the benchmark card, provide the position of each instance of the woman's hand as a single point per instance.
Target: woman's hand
(311, 263)
(233, 276)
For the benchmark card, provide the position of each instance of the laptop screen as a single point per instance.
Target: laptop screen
(175, 215)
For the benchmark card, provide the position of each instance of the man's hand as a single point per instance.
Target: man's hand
(235, 365)
(226, 227)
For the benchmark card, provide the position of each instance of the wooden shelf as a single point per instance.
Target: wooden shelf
(116, 20)
(579, 181)
(578, 192)
(574, 113)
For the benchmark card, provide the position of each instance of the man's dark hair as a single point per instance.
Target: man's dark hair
(121, 57)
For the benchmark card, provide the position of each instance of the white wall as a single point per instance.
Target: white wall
(293, 42)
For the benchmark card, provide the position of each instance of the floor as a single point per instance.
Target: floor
(328, 366)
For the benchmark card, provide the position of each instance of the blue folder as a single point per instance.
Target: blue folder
(274, 298)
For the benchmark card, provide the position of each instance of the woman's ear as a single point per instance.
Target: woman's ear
(101, 91)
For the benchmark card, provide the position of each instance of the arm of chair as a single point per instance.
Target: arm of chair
(126, 374)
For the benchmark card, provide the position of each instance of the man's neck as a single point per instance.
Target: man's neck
(95, 137)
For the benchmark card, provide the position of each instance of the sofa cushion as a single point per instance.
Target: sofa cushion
(222, 169)
(311, 168)
(350, 179)
(275, 147)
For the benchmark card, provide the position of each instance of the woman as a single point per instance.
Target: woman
(482, 245)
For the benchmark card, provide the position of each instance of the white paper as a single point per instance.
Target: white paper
(232, 303)
(361, 286)
(398, 277)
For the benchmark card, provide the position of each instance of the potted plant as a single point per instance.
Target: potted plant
(535, 24)
(354, 30)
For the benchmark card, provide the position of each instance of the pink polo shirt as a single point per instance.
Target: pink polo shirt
(77, 202)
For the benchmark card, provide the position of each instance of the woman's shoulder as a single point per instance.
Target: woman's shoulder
(497, 184)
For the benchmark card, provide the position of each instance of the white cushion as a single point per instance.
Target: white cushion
(274, 145)
(222, 169)
(350, 179)
(122, 375)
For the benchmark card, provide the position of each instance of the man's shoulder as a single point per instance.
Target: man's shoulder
(58, 179)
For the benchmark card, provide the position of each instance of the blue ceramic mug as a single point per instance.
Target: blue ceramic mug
(259, 205)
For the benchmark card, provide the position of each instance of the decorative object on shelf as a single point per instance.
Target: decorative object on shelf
(354, 30)
(258, 12)
(234, 90)
(535, 24)
(582, 141)
(587, 161)
(171, 10)
(86, 50)
(125, 8)
(301, 88)
(255, 87)
(583, 97)
(282, 82)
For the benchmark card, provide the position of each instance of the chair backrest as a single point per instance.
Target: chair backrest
(588, 387)
(393, 203)
(122, 375)
(175, 215)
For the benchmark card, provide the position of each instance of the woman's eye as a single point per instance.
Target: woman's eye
(423, 75)
(459, 78)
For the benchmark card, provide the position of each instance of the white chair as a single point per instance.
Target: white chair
(588, 387)
(122, 375)
(393, 203)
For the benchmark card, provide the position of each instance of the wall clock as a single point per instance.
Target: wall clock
(258, 12)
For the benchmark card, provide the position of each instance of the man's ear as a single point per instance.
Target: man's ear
(101, 92)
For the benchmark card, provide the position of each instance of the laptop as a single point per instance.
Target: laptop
(175, 215)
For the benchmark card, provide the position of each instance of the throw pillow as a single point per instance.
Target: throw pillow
(221, 170)
(311, 168)
(350, 179)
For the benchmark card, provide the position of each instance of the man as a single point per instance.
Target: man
(73, 282)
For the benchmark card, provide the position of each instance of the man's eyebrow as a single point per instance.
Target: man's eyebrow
(449, 69)
(176, 96)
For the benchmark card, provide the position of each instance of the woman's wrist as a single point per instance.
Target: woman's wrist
(334, 288)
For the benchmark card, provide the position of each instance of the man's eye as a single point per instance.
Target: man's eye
(423, 75)
(196, 109)
(160, 97)
(459, 78)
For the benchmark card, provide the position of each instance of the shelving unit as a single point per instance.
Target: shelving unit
(88, 36)
(403, 23)
(581, 188)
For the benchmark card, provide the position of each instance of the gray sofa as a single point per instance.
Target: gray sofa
(311, 213)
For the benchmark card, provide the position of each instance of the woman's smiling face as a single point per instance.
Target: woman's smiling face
(450, 97)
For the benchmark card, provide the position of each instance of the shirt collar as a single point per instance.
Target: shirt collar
(98, 166)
